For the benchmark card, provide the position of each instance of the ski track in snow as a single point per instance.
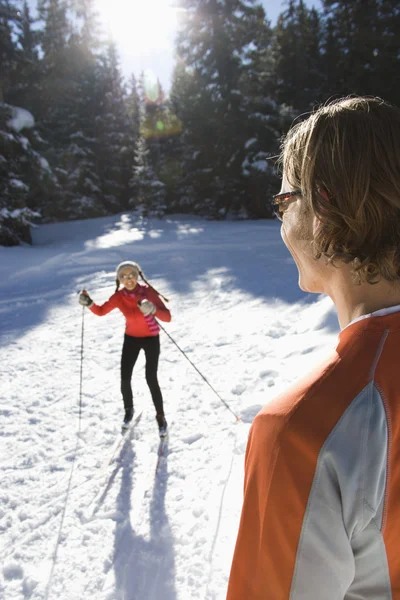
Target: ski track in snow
(74, 528)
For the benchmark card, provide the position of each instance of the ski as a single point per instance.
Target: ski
(162, 451)
(125, 433)
(104, 478)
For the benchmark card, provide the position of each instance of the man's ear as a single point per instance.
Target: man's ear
(316, 225)
(316, 221)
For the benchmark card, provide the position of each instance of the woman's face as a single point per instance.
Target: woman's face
(298, 224)
(128, 277)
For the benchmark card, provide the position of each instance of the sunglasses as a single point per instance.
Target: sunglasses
(281, 202)
(129, 276)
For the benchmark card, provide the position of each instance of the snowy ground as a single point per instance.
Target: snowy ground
(73, 527)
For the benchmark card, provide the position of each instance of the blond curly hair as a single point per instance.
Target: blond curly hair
(345, 157)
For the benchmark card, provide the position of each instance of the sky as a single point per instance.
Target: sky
(145, 33)
(83, 514)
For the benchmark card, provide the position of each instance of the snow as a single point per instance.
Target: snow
(24, 142)
(257, 162)
(19, 213)
(7, 136)
(18, 184)
(44, 164)
(21, 119)
(250, 142)
(73, 527)
(260, 116)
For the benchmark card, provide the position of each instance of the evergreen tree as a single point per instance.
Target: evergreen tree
(266, 121)
(56, 32)
(85, 120)
(132, 102)
(160, 129)
(333, 75)
(133, 109)
(353, 33)
(70, 102)
(90, 30)
(9, 17)
(314, 39)
(165, 142)
(56, 69)
(387, 52)
(148, 190)
(184, 95)
(27, 183)
(26, 89)
(194, 107)
(114, 155)
(78, 167)
(297, 51)
(92, 153)
(215, 43)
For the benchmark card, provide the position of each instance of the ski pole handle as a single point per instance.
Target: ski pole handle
(85, 299)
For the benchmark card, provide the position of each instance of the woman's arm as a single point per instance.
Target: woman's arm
(103, 309)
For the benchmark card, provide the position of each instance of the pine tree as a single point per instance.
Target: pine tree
(70, 102)
(148, 191)
(167, 159)
(214, 44)
(133, 109)
(114, 156)
(26, 89)
(194, 107)
(27, 182)
(54, 38)
(297, 50)
(78, 168)
(266, 121)
(387, 50)
(81, 172)
(333, 76)
(56, 69)
(9, 17)
(314, 39)
(183, 104)
(132, 102)
(90, 32)
(160, 128)
(354, 24)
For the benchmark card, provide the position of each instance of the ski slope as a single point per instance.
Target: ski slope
(75, 525)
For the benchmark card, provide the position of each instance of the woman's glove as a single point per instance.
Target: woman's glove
(147, 307)
(85, 299)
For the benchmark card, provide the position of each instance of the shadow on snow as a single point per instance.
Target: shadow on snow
(182, 251)
(143, 567)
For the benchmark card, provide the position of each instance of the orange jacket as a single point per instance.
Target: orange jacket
(321, 509)
(136, 323)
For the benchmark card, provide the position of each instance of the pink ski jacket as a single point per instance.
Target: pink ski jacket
(137, 325)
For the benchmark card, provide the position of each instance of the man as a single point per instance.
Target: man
(321, 509)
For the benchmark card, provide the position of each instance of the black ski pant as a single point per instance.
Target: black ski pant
(130, 352)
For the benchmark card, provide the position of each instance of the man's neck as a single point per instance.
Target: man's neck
(353, 301)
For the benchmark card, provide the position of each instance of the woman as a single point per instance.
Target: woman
(140, 304)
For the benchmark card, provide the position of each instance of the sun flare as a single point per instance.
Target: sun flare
(139, 26)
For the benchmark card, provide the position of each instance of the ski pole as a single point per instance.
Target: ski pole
(81, 370)
(201, 374)
(67, 495)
